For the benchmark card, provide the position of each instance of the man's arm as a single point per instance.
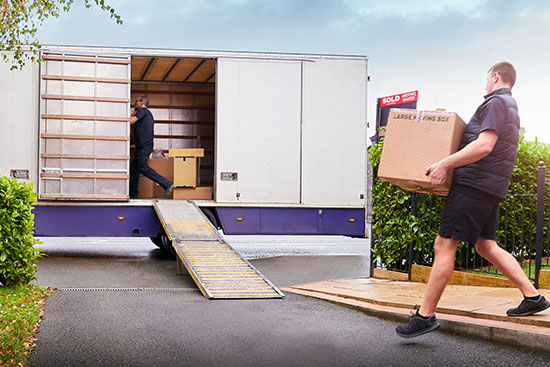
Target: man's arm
(134, 118)
(473, 152)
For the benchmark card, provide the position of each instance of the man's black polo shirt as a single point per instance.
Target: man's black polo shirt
(144, 127)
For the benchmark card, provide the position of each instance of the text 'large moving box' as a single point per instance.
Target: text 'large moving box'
(415, 140)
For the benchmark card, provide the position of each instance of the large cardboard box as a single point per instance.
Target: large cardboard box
(415, 140)
(186, 166)
(147, 188)
(197, 193)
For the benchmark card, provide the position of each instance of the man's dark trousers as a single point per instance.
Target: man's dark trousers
(139, 166)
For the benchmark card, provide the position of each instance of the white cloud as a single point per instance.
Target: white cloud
(417, 10)
(443, 48)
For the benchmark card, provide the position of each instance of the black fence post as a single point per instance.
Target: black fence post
(411, 244)
(372, 258)
(370, 214)
(540, 220)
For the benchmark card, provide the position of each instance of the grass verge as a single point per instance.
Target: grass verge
(21, 309)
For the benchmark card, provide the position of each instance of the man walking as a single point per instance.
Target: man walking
(483, 167)
(144, 137)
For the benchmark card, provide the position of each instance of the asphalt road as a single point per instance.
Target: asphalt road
(131, 309)
(251, 247)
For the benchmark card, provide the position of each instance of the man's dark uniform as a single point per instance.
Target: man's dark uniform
(143, 137)
(479, 187)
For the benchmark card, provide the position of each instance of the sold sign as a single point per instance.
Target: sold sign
(399, 99)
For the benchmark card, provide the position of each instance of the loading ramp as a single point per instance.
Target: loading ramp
(217, 269)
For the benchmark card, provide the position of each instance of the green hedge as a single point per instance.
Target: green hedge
(18, 255)
(394, 227)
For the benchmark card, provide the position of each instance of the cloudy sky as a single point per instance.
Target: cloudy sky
(441, 48)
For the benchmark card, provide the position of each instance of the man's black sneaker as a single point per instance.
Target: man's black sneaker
(528, 307)
(168, 191)
(417, 326)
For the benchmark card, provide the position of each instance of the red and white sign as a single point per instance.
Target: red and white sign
(399, 99)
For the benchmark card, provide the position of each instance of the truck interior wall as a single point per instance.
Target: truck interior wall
(184, 110)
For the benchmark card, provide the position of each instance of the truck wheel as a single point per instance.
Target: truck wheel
(211, 216)
(157, 240)
(167, 245)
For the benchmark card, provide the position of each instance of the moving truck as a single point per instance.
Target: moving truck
(283, 138)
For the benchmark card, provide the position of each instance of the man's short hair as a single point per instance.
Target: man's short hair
(506, 71)
(145, 100)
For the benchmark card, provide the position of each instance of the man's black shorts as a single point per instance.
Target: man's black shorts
(465, 217)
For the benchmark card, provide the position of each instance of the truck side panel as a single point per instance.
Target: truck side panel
(334, 132)
(19, 92)
(258, 130)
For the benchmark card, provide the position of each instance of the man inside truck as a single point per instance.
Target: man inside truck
(143, 120)
(482, 170)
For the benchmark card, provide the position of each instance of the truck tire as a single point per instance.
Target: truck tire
(157, 240)
(167, 245)
(162, 241)
(211, 216)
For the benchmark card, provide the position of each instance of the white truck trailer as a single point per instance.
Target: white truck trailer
(284, 136)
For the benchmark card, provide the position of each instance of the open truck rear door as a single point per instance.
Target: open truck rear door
(84, 127)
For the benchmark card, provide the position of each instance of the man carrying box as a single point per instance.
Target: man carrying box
(482, 169)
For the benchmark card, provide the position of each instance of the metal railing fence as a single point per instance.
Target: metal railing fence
(523, 230)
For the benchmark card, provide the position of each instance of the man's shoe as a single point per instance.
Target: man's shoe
(417, 326)
(168, 191)
(528, 307)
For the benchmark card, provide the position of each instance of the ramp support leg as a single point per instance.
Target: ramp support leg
(180, 267)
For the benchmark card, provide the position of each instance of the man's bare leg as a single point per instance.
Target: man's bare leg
(506, 264)
(442, 270)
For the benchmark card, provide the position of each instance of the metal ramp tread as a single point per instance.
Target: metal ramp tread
(217, 269)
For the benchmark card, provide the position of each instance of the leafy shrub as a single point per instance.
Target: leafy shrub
(394, 227)
(18, 256)
(518, 220)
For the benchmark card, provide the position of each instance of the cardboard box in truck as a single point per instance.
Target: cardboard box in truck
(415, 140)
(149, 189)
(196, 193)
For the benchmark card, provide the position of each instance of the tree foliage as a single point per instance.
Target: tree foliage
(20, 20)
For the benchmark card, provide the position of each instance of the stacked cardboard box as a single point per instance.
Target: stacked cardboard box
(147, 188)
(197, 193)
(415, 140)
(165, 167)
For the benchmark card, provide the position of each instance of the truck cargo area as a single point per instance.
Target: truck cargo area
(182, 100)
(86, 140)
